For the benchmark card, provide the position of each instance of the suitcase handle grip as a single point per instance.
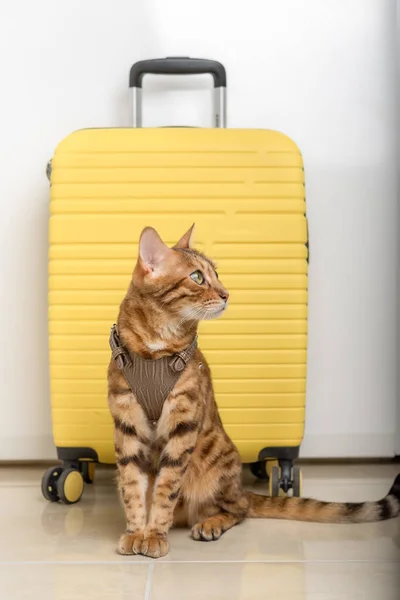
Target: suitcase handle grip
(177, 65)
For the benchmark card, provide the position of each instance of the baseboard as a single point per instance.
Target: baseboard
(314, 446)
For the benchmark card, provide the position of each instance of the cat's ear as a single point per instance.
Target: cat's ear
(152, 250)
(186, 240)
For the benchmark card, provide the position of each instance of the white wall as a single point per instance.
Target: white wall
(323, 72)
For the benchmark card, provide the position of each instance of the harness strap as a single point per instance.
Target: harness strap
(150, 380)
(179, 360)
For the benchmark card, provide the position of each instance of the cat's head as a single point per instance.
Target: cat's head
(181, 280)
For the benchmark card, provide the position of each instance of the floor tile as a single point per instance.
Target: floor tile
(73, 582)
(34, 530)
(37, 530)
(266, 581)
(290, 541)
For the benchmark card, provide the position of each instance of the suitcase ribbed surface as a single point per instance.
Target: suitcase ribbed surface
(244, 189)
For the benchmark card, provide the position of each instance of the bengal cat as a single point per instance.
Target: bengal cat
(183, 469)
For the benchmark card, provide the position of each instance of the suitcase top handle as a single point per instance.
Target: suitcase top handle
(179, 65)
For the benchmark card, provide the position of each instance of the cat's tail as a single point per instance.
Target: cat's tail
(307, 509)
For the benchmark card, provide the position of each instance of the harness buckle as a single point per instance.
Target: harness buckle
(121, 358)
(118, 352)
(178, 363)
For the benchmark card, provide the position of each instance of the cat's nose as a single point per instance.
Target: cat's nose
(224, 295)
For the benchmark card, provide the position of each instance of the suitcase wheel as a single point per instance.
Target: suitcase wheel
(270, 465)
(284, 478)
(70, 486)
(87, 469)
(259, 469)
(262, 468)
(274, 481)
(49, 483)
(297, 482)
(65, 484)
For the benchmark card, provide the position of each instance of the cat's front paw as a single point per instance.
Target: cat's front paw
(154, 545)
(130, 543)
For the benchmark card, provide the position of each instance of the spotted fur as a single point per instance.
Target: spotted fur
(184, 470)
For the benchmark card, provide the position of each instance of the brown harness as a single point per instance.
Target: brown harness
(150, 380)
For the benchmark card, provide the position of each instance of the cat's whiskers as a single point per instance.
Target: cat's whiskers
(193, 313)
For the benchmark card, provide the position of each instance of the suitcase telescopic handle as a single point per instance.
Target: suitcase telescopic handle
(179, 65)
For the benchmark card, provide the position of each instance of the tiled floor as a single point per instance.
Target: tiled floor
(56, 552)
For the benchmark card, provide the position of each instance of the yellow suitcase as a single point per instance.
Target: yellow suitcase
(245, 191)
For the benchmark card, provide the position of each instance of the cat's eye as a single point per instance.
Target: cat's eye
(198, 277)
